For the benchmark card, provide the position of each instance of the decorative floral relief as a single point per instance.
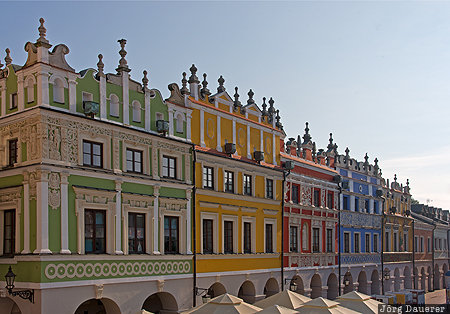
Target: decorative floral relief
(54, 190)
(305, 195)
(322, 198)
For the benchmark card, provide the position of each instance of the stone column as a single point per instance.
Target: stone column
(20, 94)
(147, 115)
(188, 222)
(202, 128)
(73, 93)
(42, 89)
(188, 127)
(26, 213)
(118, 219)
(219, 139)
(65, 213)
(3, 97)
(171, 125)
(156, 220)
(42, 213)
(125, 98)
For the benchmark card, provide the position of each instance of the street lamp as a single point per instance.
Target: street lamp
(346, 281)
(292, 284)
(386, 275)
(10, 278)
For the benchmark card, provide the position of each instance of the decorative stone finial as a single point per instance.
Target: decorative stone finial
(100, 65)
(306, 137)
(205, 91)
(264, 106)
(271, 108)
(42, 30)
(335, 148)
(145, 79)
(278, 123)
(221, 81)
(184, 89)
(8, 58)
(330, 145)
(347, 153)
(123, 65)
(250, 97)
(237, 103)
(407, 182)
(314, 150)
(193, 78)
(376, 162)
(395, 177)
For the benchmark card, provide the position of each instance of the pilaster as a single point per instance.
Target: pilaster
(171, 126)
(126, 98)
(249, 154)
(219, 141)
(156, 220)
(26, 213)
(64, 213)
(188, 222)
(3, 96)
(42, 89)
(73, 93)
(20, 94)
(202, 128)
(147, 115)
(117, 219)
(42, 213)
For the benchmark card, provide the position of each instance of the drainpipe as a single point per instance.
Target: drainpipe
(194, 242)
(414, 255)
(282, 231)
(339, 237)
(432, 258)
(382, 246)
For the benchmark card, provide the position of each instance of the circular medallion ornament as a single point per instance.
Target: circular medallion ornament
(210, 128)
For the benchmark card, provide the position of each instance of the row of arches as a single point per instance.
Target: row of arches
(428, 280)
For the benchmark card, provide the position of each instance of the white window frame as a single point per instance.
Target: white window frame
(58, 91)
(145, 156)
(234, 219)
(179, 122)
(422, 243)
(298, 238)
(127, 207)
(365, 243)
(252, 221)
(97, 138)
(273, 222)
(354, 244)
(174, 208)
(274, 184)
(235, 178)
(375, 240)
(252, 182)
(114, 113)
(15, 204)
(30, 88)
(136, 111)
(215, 218)
(349, 242)
(178, 160)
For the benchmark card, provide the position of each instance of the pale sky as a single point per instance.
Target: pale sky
(375, 74)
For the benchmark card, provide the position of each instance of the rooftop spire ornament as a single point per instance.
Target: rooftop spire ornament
(184, 90)
(278, 123)
(100, 65)
(250, 97)
(330, 145)
(221, 81)
(264, 106)
(42, 32)
(193, 78)
(306, 137)
(145, 79)
(8, 58)
(123, 65)
(237, 103)
(205, 91)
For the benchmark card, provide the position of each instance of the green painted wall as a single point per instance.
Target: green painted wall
(171, 192)
(24, 151)
(139, 96)
(11, 88)
(137, 188)
(88, 84)
(117, 90)
(65, 105)
(11, 181)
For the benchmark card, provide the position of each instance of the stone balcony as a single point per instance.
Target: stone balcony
(311, 259)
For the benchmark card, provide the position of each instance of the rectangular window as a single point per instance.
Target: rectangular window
(428, 245)
(346, 242)
(228, 237)
(375, 209)
(134, 160)
(345, 203)
(395, 242)
(207, 236)
(357, 243)
(247, 184)
(269, 188)
(316, 240)
(356, 204)
(416, 240)
(92, 154)
(421, 244)
(375, 243)
(329, 240)
(316, 198)
(405, 242)
(269, 238)
(229, 181)
(293, 235)
(169, 169)
(330, 200)
(12, 152)
(366, 203)
(94, 231)
(136, 233)
(171, 235)
(367, 243)
(14, 101)
(208, 178)
(295, 194)
(9, 232)
(247, 237)
(386, 241)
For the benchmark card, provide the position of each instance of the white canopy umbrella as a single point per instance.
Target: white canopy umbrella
(323, 306)
(277, 309)
(226, 304)
(286, 298)
(359, 302)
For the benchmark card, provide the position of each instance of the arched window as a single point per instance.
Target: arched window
(305, 237)
(114, 105)
(30, 90)
(58, 91)
(179, 123)
(136, 111)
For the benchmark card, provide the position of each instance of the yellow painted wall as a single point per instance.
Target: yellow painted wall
(226, 126)
(210, 128)
(241, 138)
(255, 140)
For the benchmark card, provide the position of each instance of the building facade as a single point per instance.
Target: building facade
(95, 203)
(238, 180)
(397, 236)
(360, 224)
(310, 218)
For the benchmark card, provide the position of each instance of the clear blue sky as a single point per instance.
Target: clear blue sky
(376, 74)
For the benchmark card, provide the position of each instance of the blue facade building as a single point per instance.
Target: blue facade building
(360, 224)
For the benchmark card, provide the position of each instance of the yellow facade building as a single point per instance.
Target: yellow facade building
(238, 180)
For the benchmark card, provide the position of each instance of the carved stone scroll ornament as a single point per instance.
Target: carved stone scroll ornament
(54, 190)
(306, 195)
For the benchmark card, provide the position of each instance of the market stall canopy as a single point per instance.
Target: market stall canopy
(324, 306)
(286, 298)
(359, 302)
(277, 309)
(226, 304)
